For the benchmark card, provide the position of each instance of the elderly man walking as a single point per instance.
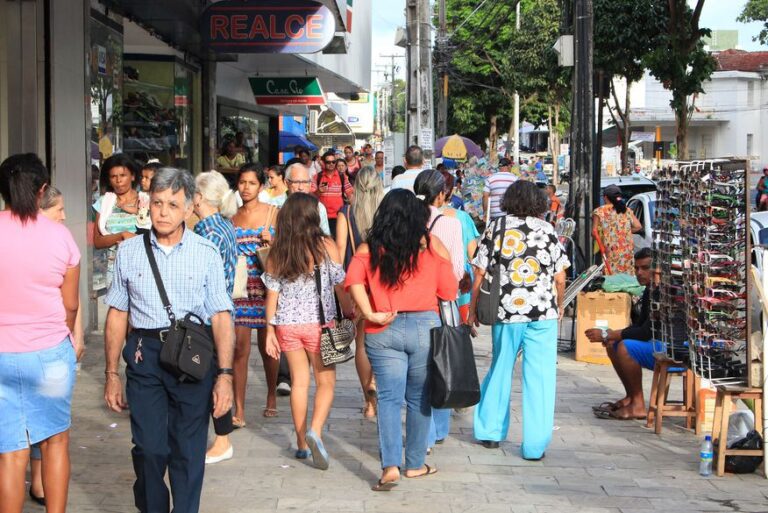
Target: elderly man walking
(169, 417)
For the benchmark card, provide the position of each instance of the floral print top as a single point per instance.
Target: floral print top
(530, 255)
(615, 232)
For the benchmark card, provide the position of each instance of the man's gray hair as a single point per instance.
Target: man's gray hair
(414, 156)
(175, 180)
(293, 166)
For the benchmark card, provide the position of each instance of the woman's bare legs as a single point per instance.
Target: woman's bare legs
(325, 381)
(299, 367)
(271, 369)
(36, 486)
(56, 472)
(13, 467)
(240, 368)
(364, 372)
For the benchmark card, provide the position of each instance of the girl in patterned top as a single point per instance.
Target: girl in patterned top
(532, 285)
(300, 250)
(253, 230)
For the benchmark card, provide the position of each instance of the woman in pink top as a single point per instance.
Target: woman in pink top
(39, 271)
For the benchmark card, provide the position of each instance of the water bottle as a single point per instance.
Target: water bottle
(705, 462)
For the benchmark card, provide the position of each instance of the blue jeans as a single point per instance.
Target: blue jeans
(538, 341)
(399, 357)
(440, 425)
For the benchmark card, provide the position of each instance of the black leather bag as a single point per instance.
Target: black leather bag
(490, 290)
(453, 377)
(188, 348)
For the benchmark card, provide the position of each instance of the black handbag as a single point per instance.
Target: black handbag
(453, 377)
(488, 298)
(336, 342)
(188, 348)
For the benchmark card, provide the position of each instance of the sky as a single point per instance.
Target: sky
(389, 14)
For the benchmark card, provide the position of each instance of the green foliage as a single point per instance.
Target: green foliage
(624, 33)
(490, 59)
(399, 100)
(756, 10)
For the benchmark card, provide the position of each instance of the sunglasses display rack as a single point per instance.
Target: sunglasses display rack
(712, 201)
(668, 299)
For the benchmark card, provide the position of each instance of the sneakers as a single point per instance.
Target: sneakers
(303, 454)
(283, 388)
(226, 455)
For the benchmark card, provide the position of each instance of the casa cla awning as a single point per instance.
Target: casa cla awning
(287, 91)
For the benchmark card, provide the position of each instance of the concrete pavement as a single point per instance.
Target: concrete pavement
(592, 465)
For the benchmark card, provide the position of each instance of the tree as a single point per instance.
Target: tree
(624, 34)
(681, 64)
(756, 10)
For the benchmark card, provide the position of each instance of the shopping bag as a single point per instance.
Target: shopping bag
(453, 377)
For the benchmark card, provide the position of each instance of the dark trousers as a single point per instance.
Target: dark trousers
(169, 424)
(283, 374)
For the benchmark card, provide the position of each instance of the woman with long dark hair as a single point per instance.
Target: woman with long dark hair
(396, 279)
(39, 272)
(254, 229)
(613, 225)
(300, 250)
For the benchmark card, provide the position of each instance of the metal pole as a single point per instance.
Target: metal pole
(426, 112)
(442, 94)
(516, 123)
(412, 30)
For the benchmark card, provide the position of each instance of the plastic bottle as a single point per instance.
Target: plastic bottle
(705, 462)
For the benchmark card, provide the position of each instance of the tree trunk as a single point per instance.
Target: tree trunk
(493, 141)
(681, 119)
(511, 136)
(556, 150)
(551, 142)
(627, 131)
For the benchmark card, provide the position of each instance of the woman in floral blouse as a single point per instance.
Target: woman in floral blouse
(532, 280)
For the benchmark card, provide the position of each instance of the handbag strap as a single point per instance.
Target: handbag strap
(158, 279)
(268, 224)
(434, 223)
(496, 287)
(350, 230)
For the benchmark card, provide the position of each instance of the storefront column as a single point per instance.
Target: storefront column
(209, 115)
(67, 124)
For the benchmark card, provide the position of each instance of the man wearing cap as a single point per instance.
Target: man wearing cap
(495, 187)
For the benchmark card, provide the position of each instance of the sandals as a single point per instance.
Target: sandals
(384, 486)
(616, 415)
(238, 423)
(605, 406)
(270, 412)
(430, 471)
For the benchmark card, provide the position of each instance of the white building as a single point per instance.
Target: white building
(730, 118)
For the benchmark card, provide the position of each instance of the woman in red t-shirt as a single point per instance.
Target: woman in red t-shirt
(396, 279)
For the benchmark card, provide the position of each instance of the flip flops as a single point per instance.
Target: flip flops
(614, 415)
(430, 471)
(384, 486)
(605, 406)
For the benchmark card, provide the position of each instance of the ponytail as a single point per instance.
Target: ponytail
(618, 202)
(21, 178)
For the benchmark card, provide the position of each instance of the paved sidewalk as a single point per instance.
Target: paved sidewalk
(592, 465)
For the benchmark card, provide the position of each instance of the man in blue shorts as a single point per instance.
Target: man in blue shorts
(631, 349)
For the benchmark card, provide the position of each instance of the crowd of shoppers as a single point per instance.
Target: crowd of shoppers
(288, 253)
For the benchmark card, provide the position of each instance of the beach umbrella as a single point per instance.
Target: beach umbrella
(457, 147)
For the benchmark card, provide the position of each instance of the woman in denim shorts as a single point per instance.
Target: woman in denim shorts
(39, 272)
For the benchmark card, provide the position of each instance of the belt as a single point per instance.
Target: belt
(153, 333)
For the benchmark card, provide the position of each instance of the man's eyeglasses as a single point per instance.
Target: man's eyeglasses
(329, 162)
(300, 182)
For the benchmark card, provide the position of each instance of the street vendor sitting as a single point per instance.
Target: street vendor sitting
(631, 349)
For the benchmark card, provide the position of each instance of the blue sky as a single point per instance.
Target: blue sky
(389, 14)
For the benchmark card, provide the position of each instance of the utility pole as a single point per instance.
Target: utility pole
(516, 123)
(420, 105)
(392, 74)
(582, 126)
(442, 90)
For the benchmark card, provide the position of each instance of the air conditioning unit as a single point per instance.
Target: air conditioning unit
(312, 125)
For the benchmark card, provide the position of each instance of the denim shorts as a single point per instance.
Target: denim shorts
(35, 395)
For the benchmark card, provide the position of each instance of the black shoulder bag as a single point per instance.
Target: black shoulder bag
(490, 290)
(188, 348)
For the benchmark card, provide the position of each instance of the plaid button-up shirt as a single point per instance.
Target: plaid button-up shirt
(192, 272)
(221, 232)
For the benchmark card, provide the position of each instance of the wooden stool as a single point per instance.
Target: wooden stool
(658, 405)
(723, 402)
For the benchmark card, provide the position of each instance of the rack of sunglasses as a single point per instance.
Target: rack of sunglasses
(703, 250)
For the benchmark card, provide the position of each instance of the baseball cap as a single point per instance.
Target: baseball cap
(505, 162)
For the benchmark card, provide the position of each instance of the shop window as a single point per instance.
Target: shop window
(255, 130)
(157, 110)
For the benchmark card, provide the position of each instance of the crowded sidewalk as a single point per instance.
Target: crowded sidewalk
(592, 465)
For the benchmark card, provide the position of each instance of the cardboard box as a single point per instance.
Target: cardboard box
(599, 310)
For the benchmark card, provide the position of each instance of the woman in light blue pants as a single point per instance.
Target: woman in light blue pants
(531, 264)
